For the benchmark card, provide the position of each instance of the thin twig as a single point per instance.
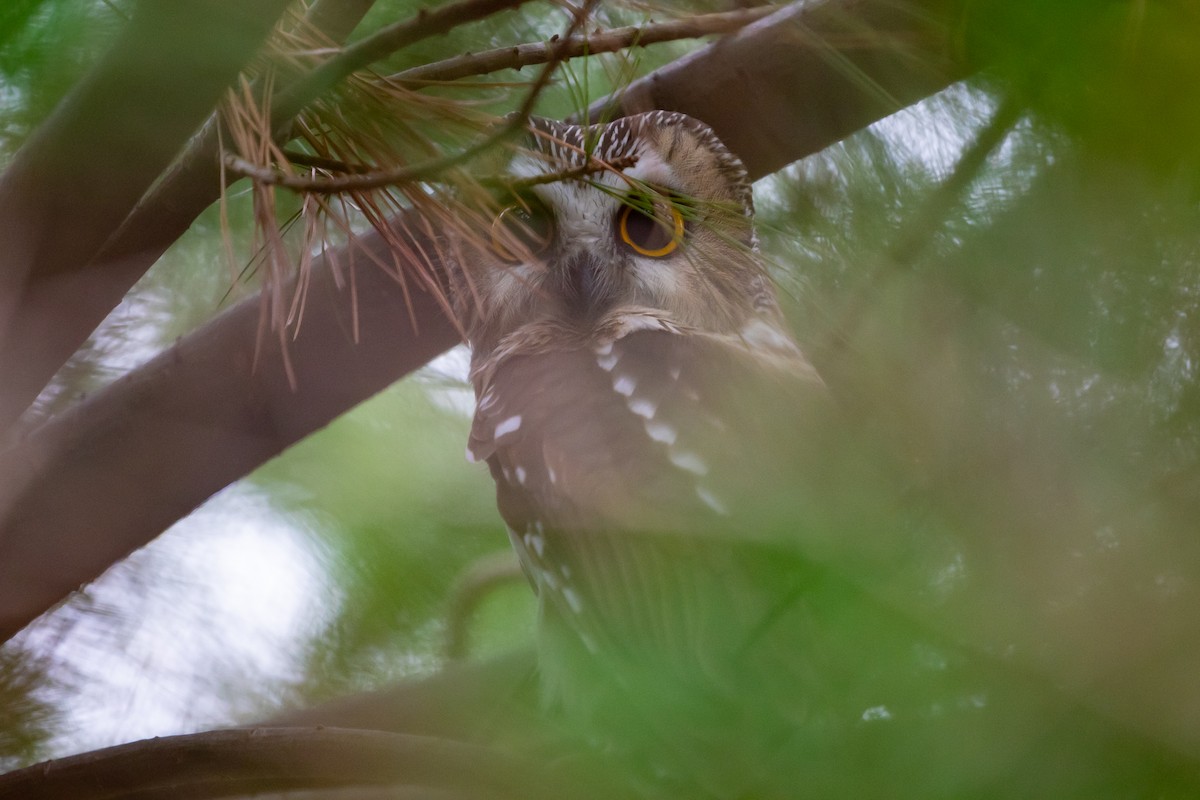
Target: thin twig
(320, 162)
(469, 591)
(502, 181)
(383, 43)
(266, 176)
(609, 41)
(592, 165)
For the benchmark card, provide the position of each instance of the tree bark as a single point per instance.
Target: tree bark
(149, 448)
(806, 76)
(227, 763)
(60, 204)
(56, 309)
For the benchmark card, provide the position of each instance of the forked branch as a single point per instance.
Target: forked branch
(608, 41)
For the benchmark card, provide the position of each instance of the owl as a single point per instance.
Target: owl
(634, 379)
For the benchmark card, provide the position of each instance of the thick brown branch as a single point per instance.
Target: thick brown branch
(610, 41)
(148, 449)
(57, 312)
(57, 208)
(385, 42)
(244, 761)
(807, 75)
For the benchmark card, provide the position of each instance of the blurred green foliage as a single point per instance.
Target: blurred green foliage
(401, 515)
(45, 47)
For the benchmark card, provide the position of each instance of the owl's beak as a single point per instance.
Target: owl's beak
(588, 288)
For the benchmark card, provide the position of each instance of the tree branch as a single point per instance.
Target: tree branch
(224, 763)
(609, 41)
(152, 446)
(384, 43)
(58, 209)
(807, 75)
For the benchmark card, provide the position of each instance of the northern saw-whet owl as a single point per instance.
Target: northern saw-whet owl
(633, 374)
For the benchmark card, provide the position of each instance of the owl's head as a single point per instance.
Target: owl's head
(649, 212)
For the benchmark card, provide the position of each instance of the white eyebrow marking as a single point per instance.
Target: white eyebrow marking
(510, 425)
(625, 385)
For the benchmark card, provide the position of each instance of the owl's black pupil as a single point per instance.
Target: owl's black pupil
(645, 230)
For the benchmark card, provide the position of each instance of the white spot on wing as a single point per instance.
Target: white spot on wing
(521, 475)
(572, 598)
(624, 385)
(712, 501)
(606, 362)
(642, 407)
(474, 459)
(551, 474)
(603, 349)
(535, 542)
(760, 333)
(689, 461)
(661, 432)
(510, 425)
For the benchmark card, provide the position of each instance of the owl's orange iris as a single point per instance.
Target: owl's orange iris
(650, 231)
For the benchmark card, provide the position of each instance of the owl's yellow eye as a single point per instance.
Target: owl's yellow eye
(523, 229)
(650, 229)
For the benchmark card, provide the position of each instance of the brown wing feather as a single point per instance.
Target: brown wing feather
(609, 460)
